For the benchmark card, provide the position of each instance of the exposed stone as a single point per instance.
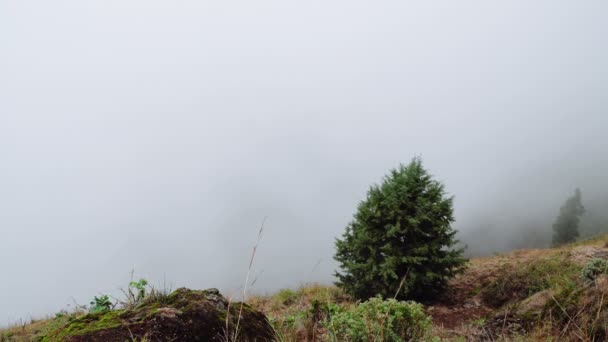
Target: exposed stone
(534, 304)
(184, 315)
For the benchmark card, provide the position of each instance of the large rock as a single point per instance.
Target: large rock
(185, 315)
(534, 305)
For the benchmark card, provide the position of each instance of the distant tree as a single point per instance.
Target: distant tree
(565, 228)
(400, 239)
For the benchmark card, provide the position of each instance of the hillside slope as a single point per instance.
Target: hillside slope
(558, 294)
(538, 294)
(535, 294)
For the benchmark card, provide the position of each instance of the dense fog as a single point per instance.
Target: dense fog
(157, 135)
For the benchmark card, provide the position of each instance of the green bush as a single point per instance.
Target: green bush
(594, 268)
(400, 242)
(378, 320)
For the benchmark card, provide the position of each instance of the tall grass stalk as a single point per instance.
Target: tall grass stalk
(234, 336)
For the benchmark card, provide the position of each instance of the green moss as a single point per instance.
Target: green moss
(191, 304)
(86, 325)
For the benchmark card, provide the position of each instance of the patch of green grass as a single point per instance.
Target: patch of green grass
(517, 282)
(285, 297)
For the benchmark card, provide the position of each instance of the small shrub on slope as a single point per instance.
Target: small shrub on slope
(101, 304)
(594, 268)
(378, 320)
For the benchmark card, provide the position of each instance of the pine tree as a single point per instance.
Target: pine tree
(565, 228)
(401, 239)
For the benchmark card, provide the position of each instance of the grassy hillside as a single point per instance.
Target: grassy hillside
(558, 294)
(539, 294)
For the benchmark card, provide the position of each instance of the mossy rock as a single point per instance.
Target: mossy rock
(185, 315)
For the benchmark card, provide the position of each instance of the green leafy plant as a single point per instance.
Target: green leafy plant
(378, 320)
(101, 304)
(594, 268)
(140, 287)
(137, 293)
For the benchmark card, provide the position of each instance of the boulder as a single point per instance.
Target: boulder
(534, 305)
(184, 315)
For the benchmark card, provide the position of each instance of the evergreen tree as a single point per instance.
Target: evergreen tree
(400, 239)
(565, 228)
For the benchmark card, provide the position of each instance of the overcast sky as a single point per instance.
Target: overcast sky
(157, 135)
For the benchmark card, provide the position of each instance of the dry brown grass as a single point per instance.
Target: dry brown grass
(573, 309)
(292, 312)
(23, 331)
(287, 300)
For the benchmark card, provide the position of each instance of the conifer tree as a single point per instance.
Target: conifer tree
(565, 228)
(400, 239)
